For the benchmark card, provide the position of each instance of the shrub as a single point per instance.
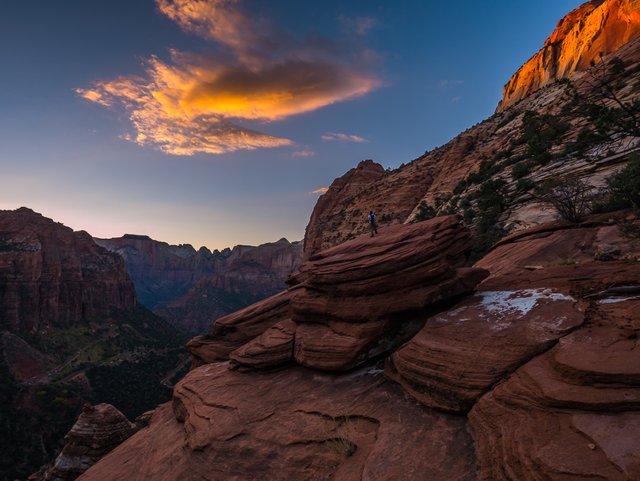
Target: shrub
(571, 196)
(624, 187)
(425, 212)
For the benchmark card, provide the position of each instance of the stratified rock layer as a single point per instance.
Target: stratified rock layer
(356, 299)
(598, 27)
(462, 353)
(97, 431)
(290, 426)
(350, 303)
(52, 276)
(573, 413)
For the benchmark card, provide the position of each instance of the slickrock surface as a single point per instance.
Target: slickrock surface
(292, 425)
(573, 413)
(273, 347)
(352, 302)
(97, 431)
(597, 27)
(53, 276)
(563, 257)
(460, 354)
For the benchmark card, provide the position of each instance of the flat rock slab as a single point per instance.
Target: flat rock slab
(292, 425)
(462, 353)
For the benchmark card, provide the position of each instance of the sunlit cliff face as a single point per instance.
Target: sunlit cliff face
(195, 103)
(597, 27)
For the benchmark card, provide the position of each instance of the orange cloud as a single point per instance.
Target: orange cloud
(195, 103)
(321, 190)
(340, 137)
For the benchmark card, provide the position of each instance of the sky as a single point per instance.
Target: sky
(221, 122)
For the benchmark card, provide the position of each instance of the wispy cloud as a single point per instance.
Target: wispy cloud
(202, 103)
(303, 153)
(445, 83)
(321, 190)
(340, 137)
(358, 25)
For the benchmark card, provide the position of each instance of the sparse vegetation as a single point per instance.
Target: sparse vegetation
(571, 196)
(425, 212)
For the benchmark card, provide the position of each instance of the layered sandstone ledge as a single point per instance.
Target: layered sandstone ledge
(350, 303)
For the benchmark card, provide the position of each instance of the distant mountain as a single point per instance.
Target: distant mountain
(70, 332)
(192, 288)
(51, 276)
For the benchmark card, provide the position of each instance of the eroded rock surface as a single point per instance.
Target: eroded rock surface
(460, 354)
(352, 302)
(292, 425)
(595, 28)
(572, 413)
(97, 431)
(51, 276)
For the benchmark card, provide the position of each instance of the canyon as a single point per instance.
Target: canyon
(476, 337)
(440, 349)
(192, 288)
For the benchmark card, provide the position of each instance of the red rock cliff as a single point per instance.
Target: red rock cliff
(53, 276)
(599, 26)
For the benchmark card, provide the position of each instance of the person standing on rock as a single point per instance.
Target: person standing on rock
(373, 228)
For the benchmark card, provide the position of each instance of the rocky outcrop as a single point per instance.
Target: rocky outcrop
(572, 412)
(542, 368)
(291, 425)
(449, 178)
(97, 431)
(193, 288)
(52, 276)
(598, 27)
(235, 330)
(359, 299)
(460, 354)
(350, 303)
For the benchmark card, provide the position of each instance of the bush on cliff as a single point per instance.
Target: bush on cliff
(570, 196)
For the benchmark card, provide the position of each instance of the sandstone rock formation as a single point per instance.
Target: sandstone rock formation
(52, 276)
(598, 27)
(193, 288)
(359, 299)
(97, 431)
(449, 178)
(350, 303)
(291, 425)
(460, 354)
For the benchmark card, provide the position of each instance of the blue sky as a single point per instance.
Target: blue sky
(137, 116)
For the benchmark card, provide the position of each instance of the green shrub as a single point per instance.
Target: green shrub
(425, 212)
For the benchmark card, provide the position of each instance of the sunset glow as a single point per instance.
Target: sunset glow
(191, 103)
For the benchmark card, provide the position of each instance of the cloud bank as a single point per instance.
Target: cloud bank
(218, 103)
